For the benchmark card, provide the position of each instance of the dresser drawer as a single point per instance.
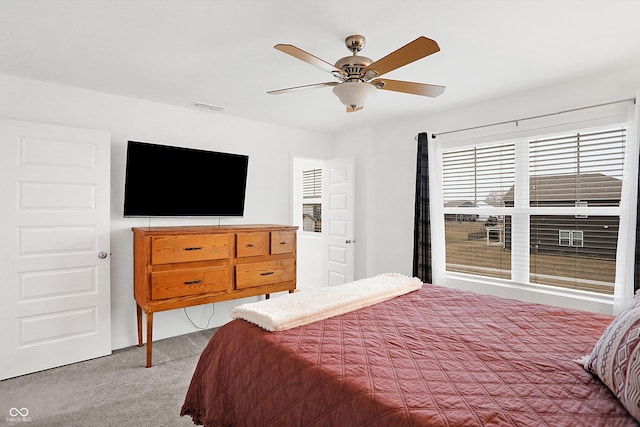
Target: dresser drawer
(264, 273)
(187, 248)
(283, 242)
(252, 244)
(192, 281)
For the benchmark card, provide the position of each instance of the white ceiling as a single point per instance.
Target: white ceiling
(221, 52)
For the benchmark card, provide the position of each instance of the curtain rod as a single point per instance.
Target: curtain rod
(433, 135)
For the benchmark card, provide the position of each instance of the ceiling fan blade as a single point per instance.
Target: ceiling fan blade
(296, 52)
(409, 87)
(417, 49)
(350, 109)
(311, 86)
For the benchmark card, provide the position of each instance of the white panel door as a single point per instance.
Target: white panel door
(340, 220)
(54, 246)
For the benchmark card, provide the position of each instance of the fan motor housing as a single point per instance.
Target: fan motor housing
(353, 66)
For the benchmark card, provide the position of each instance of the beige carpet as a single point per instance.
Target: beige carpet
(114, 390)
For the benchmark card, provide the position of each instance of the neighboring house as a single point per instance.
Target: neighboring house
(460, 217)
(312, 217)
(309, 223)
(586, 235)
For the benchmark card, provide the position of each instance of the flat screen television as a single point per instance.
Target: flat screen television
(167, 181)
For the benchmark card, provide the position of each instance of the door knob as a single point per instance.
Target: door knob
(348, 241)
(102, 255)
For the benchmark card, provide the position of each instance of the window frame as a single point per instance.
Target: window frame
(574, 239)
(564, 240)
(312, 197)
(519, 287)
(570, 238)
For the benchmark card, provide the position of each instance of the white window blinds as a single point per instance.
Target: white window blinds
(577, 169)
(475, 178)
(566, 235)
(582, 170)
(478, 176)
(312, 195)
(312, 183)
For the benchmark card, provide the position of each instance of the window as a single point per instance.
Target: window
(552, 220)
(570, 238)
(477, 178)
(581, 205)
(312, 206)
(312, 184)
(576, 238)
(477, 247)
(312, 217)
(580, 170)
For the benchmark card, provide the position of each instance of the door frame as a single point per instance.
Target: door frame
(313, 248)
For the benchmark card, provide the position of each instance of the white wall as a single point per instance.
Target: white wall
(389, 155)
(385, 166)
(270, 149)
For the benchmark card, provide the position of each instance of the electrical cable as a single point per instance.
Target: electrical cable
(213, 311)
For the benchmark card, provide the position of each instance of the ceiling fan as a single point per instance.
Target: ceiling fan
(358, 76)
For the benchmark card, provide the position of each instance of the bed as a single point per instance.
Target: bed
(431, 357)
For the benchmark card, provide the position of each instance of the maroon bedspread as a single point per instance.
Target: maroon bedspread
(434, 357)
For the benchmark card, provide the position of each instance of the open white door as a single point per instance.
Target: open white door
(54, 246)
(340, 219)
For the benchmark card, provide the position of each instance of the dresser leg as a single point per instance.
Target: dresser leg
(139, 316)
(149, 338)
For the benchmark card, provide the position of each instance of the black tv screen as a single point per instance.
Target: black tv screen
(171, 181)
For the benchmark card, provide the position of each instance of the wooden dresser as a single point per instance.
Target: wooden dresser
(176, 267)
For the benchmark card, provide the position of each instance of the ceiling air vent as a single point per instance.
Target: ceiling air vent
(205, 106)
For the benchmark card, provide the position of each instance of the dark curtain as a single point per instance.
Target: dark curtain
(636, 276)
(422, 221)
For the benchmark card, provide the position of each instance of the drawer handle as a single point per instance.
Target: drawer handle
(193, 282)
(266, 273)
(193, 248)
(283, 243)
(250, 245)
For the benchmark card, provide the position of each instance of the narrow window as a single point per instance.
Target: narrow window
(577, 237)
(312, 196)
(582, 170)
(475, 179)
(580, 204)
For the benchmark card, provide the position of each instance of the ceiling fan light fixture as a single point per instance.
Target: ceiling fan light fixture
(353, 94)
(359, 76)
